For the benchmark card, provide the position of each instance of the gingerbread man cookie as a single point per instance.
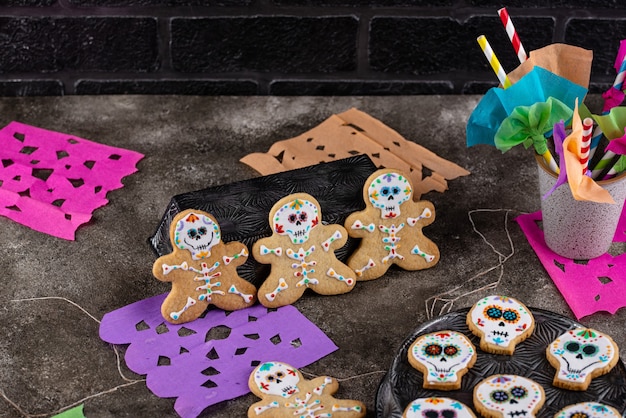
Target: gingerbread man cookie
(202, 269)
(391, 227)
(301, 252)
(285, 393)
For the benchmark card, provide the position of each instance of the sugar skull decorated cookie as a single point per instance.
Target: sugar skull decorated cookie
(390, 227)
(202, 269)
(506, 395)
(579, 355)
(437, 407)
(588, 410)
(284, 392)
(443, 357)
(301, 252)
(501, 323)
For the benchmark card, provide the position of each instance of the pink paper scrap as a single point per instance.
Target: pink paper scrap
(52, 182)
(588, 286)
(209, 360)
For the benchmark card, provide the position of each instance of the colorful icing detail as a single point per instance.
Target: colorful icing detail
(588, 410)
(358, 225)
(332, 273)
(444, 355)
(246, 297)
(282, 285)
(437, 407)
(335, 236)
(416, 251)
(580, 352)
(278, 251)
(509, 395)
(387, 192)
(279, 379)
(501, 320)
(197, 233)
(370, 264)
(296, 219)
(229, 259)
(426, 213)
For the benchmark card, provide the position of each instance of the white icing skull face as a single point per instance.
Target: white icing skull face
(198, 234)
(387, 192)
(296, 219)
(510, 395)
(501, 319)
(581, 351)
(587, 410)
(444, 354)
(273, 378)
(437, 408)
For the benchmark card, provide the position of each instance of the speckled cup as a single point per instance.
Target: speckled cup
(578, 229)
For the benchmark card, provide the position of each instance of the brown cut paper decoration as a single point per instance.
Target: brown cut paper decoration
(354, 132)
(570, 62)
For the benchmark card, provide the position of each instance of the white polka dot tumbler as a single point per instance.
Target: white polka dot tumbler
(578, 229)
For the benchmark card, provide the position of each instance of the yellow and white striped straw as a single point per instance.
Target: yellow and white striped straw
(493, 60)
(549, 159)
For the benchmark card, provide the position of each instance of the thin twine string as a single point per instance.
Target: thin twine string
(129, 381)
(446, 297)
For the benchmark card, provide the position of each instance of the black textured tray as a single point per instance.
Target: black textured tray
(242, 208)
(402, 383)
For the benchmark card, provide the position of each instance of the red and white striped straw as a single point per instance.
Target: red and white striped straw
(586, 143)
(510, 30)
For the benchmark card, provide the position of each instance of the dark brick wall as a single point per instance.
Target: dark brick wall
(285, 47)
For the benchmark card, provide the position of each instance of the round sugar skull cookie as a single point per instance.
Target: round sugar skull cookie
(443, 357)
(202, 269)
(588, 410)
(579, 355)
(437, 408)
(301, 252)
(501, 323)
(390, 227)
(504, 396)
(285, 393)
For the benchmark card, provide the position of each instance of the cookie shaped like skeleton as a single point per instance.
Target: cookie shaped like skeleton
(588, 410)
(501, 323)
(284, 392)
(443, 357)
(301, 253)
(202, 269)
(579, 355)
(505, 396)
(436, 407)
(390, 227)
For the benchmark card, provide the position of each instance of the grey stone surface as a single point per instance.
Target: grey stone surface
(50, 352)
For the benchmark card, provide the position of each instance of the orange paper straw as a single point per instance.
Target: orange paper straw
(493, 60)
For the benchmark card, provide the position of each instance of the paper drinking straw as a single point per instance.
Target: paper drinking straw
(601, 165)
(549, 159)
(619, 78)
(493, 60)
(510, 30)
(586, 143)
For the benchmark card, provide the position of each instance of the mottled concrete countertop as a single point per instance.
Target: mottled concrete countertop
(51, 355)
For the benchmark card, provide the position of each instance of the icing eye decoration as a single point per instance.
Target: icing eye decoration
(519, 392)
(433, 350)
(197, 234)
(297, 217)
(496, 313)
(446, 413)
(451, 350)
(499, 396)
(586, 350)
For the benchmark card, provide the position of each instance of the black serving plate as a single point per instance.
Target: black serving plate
(403, 384)
(242, 208)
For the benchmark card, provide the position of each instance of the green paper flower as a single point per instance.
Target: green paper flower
(528, 125)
